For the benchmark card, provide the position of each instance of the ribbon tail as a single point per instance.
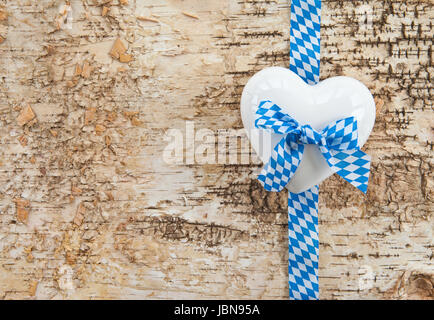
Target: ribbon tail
(284, 161)
(303, 245)
(352, 165)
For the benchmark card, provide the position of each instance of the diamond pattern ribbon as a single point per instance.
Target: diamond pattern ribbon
(304, 247)
(338, 143)
(305, 39)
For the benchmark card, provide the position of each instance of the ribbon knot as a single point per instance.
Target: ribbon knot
(310, 136)
(338, 143)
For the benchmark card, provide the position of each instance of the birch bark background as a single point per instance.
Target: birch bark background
(88, 208)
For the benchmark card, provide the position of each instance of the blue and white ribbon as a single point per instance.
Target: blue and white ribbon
(338, 143)
(303, 245)
(305, 39)
(304, 55)
(305, 49)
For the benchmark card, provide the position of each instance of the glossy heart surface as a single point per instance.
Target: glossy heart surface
(329, 100)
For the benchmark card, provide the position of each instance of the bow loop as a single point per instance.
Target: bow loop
(342, 134)
(338, 143)
(269, 116)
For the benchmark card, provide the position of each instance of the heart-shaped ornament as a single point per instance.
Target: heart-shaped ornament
(332, 99)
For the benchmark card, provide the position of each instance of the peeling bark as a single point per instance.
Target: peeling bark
(109, 219)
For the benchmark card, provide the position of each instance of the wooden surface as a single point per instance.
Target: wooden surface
(88, 209)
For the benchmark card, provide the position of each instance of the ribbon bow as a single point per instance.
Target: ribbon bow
(338, 143)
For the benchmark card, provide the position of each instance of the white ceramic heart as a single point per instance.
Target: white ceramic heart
(318, 105)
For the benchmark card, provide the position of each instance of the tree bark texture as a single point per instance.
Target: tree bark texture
(88, 208)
